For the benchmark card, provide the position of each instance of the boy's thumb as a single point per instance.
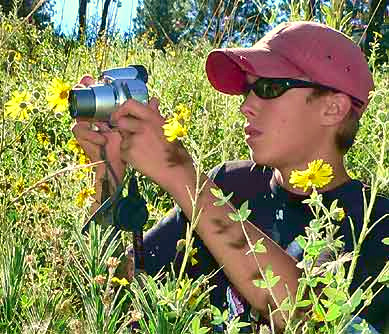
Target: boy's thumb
(154, 103)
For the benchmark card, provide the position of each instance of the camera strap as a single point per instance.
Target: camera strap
(127, 213)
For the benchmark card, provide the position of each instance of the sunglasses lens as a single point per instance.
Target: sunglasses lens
(269, 89)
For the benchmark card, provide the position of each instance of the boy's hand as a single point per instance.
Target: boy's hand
(93, 136)
(146, 148)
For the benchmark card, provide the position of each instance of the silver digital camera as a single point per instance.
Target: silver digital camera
(116, 85)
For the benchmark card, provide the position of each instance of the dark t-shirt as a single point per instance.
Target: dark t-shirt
(282, 216)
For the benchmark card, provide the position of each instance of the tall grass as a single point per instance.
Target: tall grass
(55, 280)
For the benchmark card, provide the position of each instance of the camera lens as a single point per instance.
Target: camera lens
(82, 103)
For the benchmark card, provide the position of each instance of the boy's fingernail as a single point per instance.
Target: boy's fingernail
(104, 127)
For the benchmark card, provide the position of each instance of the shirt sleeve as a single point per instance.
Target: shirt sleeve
(161, 240)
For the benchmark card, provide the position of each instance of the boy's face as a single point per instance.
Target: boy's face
(284, 132)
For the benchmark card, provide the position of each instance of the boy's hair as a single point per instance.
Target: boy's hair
(348, 129)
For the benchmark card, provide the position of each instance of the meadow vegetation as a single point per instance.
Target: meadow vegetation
(53, 279)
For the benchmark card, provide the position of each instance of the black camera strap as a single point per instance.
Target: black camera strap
(131, 214)
(127, 213)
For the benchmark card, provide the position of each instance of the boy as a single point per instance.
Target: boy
(306, 86)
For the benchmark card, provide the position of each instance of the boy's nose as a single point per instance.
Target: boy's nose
(247, 108)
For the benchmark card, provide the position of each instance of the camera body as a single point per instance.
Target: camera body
(116, 85)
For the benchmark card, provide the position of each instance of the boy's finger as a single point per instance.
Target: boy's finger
(87, 80)
(84, 133)
(129, 124)
(130, 108)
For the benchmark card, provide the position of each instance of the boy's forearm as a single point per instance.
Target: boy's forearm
(227, 242)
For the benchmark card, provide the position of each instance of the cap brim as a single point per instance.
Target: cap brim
(227, 69)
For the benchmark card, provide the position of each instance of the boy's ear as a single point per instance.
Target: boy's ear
(335, 108)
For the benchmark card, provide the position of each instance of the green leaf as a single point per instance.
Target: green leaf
(241, 324)
(218, 317)
(244, 211)
(326, 279)
(260, 283)
(195, 324)
(316, 247)
(234, 216)
(270, 280)
(334, 205)
(215, 311)
(223, 200)
(217, 193)
(333, 313)
(258, 247)
(319, 310)
(301, 241)
(315, 224)
(242, 214)
(356, 298)
(274, 281)
(386, 241)
(346, 308)
(228, 197)
(330, 292)
(286, 305)
(384, 279)
(196, 329)
(304, 303)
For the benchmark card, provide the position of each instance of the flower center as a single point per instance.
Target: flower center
(23, 105)
(311, 177)
(63, 95)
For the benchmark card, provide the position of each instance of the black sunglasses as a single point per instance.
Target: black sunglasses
(270, 88)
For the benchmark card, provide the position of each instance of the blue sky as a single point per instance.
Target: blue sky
(66, 13)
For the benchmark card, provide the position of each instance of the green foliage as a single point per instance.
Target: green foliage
(21, 9)
(12, 271)
(48, 270)
(220, 22)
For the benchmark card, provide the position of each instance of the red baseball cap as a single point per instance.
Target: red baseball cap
(295, 49)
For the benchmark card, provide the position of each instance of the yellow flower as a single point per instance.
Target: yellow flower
(43, 138)
(51, 157)
(122, 282)
(173, 129)
(19, 186)
(7, 27)
(80, 174)
(193, 294)
(317, 316)
(18, 107)
(318, 175)
(183, 112)
(83, 159)
(17, 56)
(57, 95)
(83, 195)
(191, 255)
(44, 187)
(74, 146)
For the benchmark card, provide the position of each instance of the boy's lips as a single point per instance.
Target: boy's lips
(251, 132)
